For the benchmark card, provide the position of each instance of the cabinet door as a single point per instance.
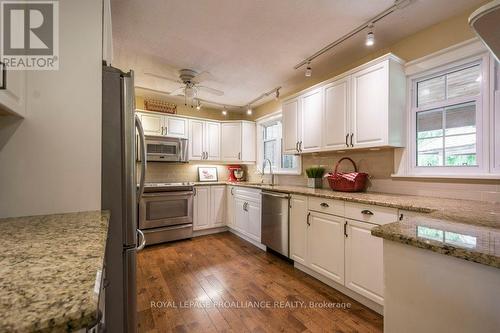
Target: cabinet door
(240, 215)
(254, 218)
(312, 121)
(370, 109)
(212, 141)
(230, 206)
(231, 141)
(364, 261)
(298, 228)
(291, 123)
(335, 123)
(217, 205)
(325, 245)
(176, 127)
(201, 218)
(152, 124)
(248, 145)
(13, 97)
(196, 139)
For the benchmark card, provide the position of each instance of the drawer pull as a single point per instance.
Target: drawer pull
(366, 212)
(324, 204)
(308, 215)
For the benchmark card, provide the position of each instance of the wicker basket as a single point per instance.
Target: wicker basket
(347, 182)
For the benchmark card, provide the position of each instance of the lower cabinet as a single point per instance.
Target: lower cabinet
(209, 207)
(364, 261)
(247, 213)
(325, 245)
(230, 206)
(337, 247)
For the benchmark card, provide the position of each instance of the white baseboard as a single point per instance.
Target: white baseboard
(248, 239)
(203, 232)
(344, 290)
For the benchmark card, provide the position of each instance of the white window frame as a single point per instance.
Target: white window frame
(481, 101)
(261, 122)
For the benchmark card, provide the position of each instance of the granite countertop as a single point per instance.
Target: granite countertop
(472, 226)
(473, 243)
(48, 267)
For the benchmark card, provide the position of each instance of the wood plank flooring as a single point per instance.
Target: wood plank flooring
(221, 283)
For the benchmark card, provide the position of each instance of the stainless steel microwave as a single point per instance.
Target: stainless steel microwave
(165, 149)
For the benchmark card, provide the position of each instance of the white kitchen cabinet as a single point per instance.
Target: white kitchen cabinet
(325, 245)
(254, 220)
(238, 141)
(364, 262)
(204, 140)
(248, 142)
(201, 216)
(240, 215)
(175, 127)
(231, 141)
(336, 126)
(312, 118)
(298, 228)
(292, 130)
(152, 124)
(230, 206)
(247, 212)
(13, 97)
(212, 141)
(217, 205)
(362, 108)
(196, 140)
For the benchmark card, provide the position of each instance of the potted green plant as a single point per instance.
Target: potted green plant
(315, 176)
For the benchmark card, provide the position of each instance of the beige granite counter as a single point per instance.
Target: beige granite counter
(48, 267)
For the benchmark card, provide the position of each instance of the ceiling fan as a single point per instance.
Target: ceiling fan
(190, 80)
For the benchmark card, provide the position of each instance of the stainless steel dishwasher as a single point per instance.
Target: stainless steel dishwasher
(275, 210)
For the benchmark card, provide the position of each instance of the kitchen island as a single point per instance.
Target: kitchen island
(50, 268)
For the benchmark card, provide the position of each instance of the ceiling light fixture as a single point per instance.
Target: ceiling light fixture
(370, 36)
(397, 5)
(309, 70)
(249, 110)
(277, 94)
(198, 105)
(224, 111)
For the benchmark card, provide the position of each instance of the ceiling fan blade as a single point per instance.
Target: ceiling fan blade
(210, 90)
(177, 92)
(163, 77)
(203, 76)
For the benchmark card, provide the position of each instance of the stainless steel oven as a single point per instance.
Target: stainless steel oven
(166, 212)
(166, 149)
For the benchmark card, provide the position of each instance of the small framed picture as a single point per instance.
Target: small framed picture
(207, 174)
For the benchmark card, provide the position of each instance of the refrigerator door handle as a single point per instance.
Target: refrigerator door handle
(143, 240)
(138, 125)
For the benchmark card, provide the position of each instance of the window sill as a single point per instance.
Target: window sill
(449, 176)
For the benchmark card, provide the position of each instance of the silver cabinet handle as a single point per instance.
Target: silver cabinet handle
(206, 155)
(297, 147)
(346, 140)
(143, 240)
(366, 212)
(345, 229)
(194, 191)
(4, 76)
(239, 155)
(401, 216)
(352, 134)
(300, 146)
(232, 189)
(307, 220)
(324, 204)
(138, 125)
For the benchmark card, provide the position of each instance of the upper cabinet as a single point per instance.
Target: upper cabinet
(13, 91)
(204, 140)
(160, 125)
(233, 147)
(363, 108)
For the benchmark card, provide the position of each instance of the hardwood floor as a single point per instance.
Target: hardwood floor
(233, 287)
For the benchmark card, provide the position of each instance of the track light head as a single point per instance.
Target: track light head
(249, 110)
(370, 36)
(277, 94)
(198, 105)
(308, 72)
(224, 111)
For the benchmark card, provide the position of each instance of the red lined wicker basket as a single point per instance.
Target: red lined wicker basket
(347, 182)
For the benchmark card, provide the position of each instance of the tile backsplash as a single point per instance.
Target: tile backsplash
(185, 172)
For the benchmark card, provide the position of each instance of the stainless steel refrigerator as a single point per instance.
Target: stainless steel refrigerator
(121, 129)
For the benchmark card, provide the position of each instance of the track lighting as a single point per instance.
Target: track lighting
(370, 36)
(277, 94)
(249, 110)
(308, 69)
(224, 111)
(198, 105)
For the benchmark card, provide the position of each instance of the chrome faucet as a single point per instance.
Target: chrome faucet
(270, 170)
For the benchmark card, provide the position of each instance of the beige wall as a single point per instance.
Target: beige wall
(50, 162)
(204, 112)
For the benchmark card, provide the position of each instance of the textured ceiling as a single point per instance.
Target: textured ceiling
(251, 47)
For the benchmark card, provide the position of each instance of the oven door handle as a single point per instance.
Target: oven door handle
(140, 130)
(173, 194)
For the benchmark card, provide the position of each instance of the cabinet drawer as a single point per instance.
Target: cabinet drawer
(247, 193)
(327, 206)
(371, 213)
